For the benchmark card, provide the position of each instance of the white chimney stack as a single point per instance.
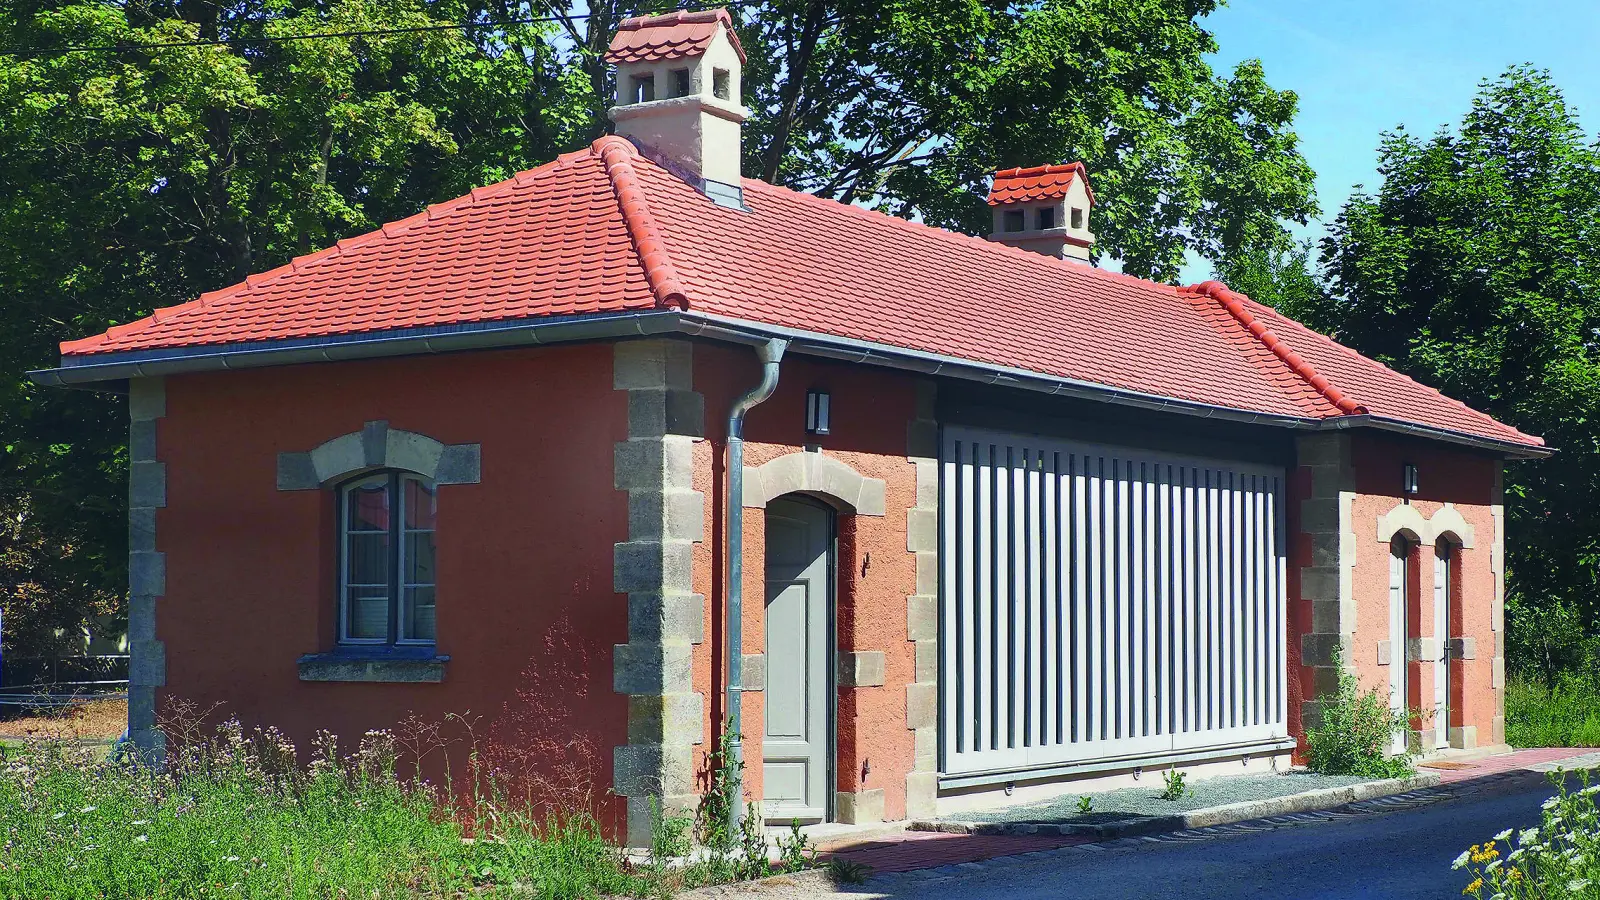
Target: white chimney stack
(1044, 209)
(678, 93)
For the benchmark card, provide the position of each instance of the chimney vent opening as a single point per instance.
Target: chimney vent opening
(1015, 221)
(644, 88)
(720, 81)
(680, 83)
(1047, 218)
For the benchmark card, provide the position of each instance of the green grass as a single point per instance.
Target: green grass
(1561, 712)
(237, 818)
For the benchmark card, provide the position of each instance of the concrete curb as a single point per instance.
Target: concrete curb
(1308, 801)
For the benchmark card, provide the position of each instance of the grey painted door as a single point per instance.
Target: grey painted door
(795, 747)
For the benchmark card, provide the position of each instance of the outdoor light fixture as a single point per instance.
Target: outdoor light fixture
(817, 412)
(1409, 480)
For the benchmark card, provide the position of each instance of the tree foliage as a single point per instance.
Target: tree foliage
(140, 176)
(1475, 268)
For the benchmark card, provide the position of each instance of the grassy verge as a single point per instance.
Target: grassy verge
(234, 815)
(1561, 712)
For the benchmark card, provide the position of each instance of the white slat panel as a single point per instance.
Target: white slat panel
(1101, 602)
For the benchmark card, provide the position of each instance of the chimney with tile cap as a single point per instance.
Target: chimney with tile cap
(1044, 209)
(678, 94)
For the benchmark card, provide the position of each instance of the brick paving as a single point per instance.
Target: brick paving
(910, 850)
(1506, 762)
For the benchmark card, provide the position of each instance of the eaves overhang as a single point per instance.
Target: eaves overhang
(110, 371)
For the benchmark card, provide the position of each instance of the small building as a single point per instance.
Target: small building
(931, 517)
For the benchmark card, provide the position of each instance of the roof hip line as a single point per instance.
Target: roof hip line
(617, 154)
(1234, 304)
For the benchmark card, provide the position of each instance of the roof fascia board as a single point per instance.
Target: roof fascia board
(115, 368)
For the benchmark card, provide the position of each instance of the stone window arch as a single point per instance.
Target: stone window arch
(815, 475)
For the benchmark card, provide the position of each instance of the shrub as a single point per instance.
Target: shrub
(1354, 734)
(1562, 711)
(1558, 859)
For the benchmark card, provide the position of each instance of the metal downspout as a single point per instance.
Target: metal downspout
(770, 354)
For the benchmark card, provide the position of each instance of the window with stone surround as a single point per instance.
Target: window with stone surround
(386, 560)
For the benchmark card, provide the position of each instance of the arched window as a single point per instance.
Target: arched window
(386, 559)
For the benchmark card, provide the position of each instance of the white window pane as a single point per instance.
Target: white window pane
(368, 616)
(420, 613)
(367, 558)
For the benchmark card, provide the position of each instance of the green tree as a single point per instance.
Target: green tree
(142, 176)
(1475, 268)
(1283, 278)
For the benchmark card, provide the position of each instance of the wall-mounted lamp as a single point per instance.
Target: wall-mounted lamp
(817, 412)
(1408, 482)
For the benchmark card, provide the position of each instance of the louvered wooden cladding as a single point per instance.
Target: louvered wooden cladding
(1102, 603)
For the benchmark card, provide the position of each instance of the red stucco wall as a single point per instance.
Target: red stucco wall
(1446, 475)
(1465, 480)
(871, 410)
(524, 557)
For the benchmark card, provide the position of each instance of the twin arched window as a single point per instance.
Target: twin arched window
(386, 559)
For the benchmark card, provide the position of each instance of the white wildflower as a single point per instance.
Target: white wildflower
(1591, 789)
(88, 809)
(1550, 804)
(58, 815)
(1503, 835)
(233, 859)
(1528, 836)
(141, 821)
(142, 838)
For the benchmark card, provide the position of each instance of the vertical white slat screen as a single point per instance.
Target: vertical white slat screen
(1101, 602)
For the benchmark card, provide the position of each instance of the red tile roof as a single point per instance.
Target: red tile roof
(606, 230)
(671, 36)
(1037, 183)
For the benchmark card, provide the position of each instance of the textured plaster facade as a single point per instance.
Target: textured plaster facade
(526, 562)
(863, 471)
(1349, 508)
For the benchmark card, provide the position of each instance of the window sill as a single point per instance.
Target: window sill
(372, 667)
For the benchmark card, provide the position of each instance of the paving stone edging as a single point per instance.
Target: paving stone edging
(1307, 801)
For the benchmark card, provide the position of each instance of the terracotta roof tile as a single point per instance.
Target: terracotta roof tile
(1036, 183)
(671, 36)
(606, 230)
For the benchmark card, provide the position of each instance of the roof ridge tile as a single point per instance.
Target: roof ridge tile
(618, 154)
(1230, 300)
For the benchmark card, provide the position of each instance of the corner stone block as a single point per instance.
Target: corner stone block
(927, 662)
(142, 529)
(861, 669)
(147, 484)
(642, 365)
(926, 743)
(922, 530)
(653, 567)
(922, 705)
(1498, 678)
(665, 718)
(147, 573)
(674, 515)
(673, 618)
(1464, 738)
(922, 795)
(1385, 653)
(147, 664)
(147, 398)
(651, 770)
(652, 668)
(860, 808)
(922, 617)
(1320, 649)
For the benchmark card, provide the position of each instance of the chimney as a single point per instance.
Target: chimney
(678, 94)
(1044, 209)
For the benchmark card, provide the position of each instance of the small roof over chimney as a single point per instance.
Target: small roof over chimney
(1044, 209)
(678, 94)
(676, 35)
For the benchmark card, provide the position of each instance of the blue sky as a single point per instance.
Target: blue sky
(1363, 66)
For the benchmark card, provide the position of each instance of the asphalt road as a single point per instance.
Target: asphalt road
(1394, 853)
(1398, 854)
